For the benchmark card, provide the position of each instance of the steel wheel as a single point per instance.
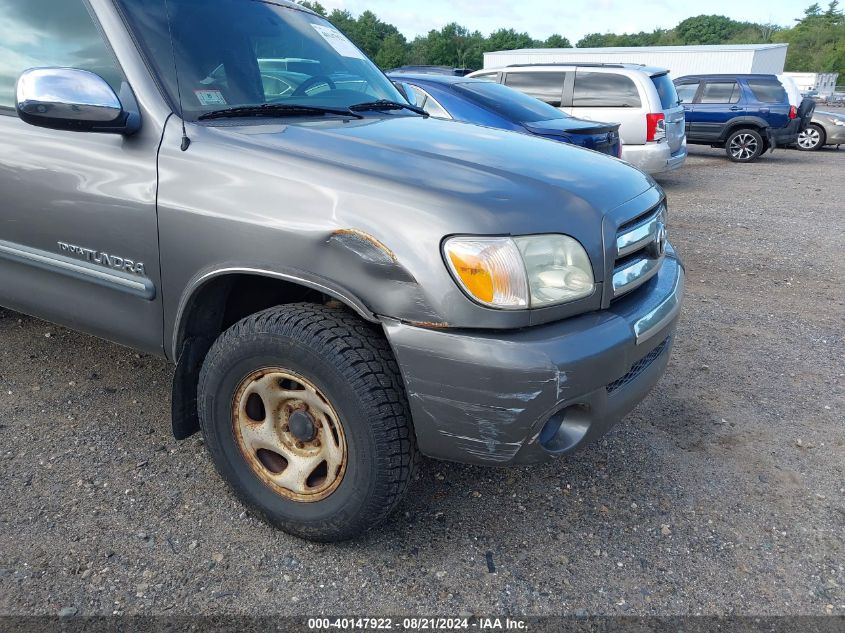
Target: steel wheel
(810, 139)
(290, 435)
(744, 147)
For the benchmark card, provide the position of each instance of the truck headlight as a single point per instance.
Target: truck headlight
(559, 270)
(523, 272)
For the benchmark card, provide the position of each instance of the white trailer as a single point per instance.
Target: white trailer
(766, 59)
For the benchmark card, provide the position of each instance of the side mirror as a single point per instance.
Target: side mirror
(74, 100)
(405, 89)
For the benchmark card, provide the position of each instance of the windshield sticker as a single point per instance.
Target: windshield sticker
(210, 97)
(339, 42)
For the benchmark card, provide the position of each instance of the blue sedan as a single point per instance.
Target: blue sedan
(494, 105)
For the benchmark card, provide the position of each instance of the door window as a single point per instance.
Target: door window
(720, 92)
(38, 33)
(686, 92)
(605, 90)
(666, 91)
(429, 104)
(768, 91)
(544, 86)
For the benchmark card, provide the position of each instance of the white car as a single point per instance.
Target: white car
(641, 98)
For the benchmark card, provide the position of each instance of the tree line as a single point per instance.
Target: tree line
(816, 40)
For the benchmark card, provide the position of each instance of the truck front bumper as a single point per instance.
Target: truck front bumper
(527, 396)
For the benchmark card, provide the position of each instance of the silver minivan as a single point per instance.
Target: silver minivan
(641, 98)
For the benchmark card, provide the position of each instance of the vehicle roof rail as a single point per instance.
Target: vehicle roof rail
(576, 63)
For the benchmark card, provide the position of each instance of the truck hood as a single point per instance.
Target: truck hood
(362, 207)
(502, 172)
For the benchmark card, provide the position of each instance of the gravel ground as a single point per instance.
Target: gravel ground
(724, 492)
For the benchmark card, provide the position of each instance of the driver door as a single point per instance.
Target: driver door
(76, 208)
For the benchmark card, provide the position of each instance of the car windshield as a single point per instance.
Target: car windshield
(512, 104)
(236, 53)
(666, 91)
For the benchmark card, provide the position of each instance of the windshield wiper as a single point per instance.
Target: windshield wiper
(384, 104)
(272, 109)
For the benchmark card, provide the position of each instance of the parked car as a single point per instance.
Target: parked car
(641, 98)
(342, 281)
(494, 105)
(826, 128)
(746, 115)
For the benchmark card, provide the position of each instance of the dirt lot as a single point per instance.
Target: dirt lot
(723, 493)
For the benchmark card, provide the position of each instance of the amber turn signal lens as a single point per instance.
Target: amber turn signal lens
(474, 275)
(490, 270)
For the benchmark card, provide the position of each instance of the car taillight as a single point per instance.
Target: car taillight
(793, 112)
(655, 127)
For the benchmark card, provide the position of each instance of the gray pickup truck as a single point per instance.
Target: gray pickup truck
(342, 282)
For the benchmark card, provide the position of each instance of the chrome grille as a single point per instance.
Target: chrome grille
(640, 250)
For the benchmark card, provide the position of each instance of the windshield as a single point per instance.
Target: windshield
(233, 53)
(511, 104)
(666, 91)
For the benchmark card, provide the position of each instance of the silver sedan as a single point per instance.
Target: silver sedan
(826, 128)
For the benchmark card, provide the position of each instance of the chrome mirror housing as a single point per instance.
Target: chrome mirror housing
(74, 100)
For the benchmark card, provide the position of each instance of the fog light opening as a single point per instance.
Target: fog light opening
(566, 429)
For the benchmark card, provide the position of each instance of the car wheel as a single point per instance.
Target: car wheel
(812, 138)
(744, 146)
(305, 416)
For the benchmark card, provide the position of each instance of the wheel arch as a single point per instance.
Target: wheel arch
(761, 125)
(218, 299)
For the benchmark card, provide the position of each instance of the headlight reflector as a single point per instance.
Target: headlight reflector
(559, 270)
(518, 273)
(490, 269)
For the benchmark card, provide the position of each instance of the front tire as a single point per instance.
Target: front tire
(812, 139)
(305, 416)
(744, 146)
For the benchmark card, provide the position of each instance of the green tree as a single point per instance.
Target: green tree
(393, 52)
(344, 20)
(316, 7)
(814, 10)
(508, 40)
(453, 45)
(557, 41)
(817, 41)
(707, 29)
(597, 40)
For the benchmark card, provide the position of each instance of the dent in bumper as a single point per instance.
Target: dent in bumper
(484, 397)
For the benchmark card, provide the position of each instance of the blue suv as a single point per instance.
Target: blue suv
(745, 114)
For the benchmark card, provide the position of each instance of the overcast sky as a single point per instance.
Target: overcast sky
(572, 18)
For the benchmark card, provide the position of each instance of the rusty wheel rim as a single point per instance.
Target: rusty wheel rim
(289, 434)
